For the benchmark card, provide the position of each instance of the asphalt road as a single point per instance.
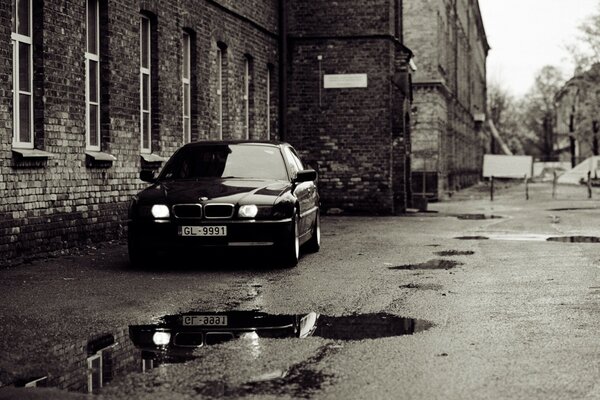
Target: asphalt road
(500, 313)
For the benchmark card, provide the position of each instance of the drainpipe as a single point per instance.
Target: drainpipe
(283, 68)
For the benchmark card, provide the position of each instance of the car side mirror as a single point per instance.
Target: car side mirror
(306, 175)
(147, 176)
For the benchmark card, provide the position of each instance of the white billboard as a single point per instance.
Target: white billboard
(500, 166)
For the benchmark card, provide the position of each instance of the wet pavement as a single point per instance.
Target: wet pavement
(510, 313)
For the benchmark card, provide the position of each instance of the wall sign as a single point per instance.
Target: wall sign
(344, 81)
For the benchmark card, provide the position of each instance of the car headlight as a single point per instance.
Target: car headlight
(161, 338)
(160, 211)
(248, 211)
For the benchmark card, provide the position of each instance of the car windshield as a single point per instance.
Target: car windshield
(226, 161)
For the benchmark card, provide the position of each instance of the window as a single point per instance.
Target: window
(92, 73)
(145, 84)
(220, 62)
(185, 79)
(22, 74)
(94, 373)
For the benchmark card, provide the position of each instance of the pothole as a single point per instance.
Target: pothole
(448, 253)
(431, 264)
(574, 239)
(428, 286)
(476, 216)
(472, 238)
(573, 209)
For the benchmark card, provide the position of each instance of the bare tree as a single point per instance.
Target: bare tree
(504, 111)
(539, 112)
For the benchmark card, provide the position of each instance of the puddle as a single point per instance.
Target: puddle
(428, 286)
(180, 338)
(455, 253)
(431, 264)
(179, 335)
(476, 216)
(368, 326)
(532, 237)
(574, 239)
(573, 209)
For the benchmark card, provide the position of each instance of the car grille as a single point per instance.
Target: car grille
(187, 211)
(218, 210)
(218, 337)
(188, 339)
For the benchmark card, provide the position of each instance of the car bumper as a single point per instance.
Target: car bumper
(165, 235)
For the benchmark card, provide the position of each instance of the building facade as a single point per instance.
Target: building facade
(450, 46)
(349, 102)
(577, 117)
(94, 91)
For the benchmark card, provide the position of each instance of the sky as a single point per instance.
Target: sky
(526, 35)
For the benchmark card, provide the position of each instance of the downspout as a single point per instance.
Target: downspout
(283, 68)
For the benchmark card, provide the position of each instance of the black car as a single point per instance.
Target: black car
(227, 194)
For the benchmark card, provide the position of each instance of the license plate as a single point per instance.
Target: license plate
(204, 231)
(205, 320)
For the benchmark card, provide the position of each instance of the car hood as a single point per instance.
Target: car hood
(215, 191)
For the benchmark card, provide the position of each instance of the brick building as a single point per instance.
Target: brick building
(93, 91)
(349, 101)
(104, 88)
(577, 121)
(450, 46)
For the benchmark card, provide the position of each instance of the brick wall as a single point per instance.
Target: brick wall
(348, 134)
(66, 200)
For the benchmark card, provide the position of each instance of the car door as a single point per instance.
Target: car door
(305, 192)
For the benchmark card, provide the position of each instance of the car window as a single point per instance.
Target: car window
(292, 161)
(296, 159)
(226, 161)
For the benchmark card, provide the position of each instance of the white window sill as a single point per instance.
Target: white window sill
(32, 153)
(100, 156)
(152, 158)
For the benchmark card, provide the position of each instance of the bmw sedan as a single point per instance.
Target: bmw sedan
(227, 194)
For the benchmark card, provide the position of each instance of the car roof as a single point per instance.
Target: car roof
(274, 143)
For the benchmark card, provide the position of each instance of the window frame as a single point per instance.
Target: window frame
(89, 58)
(186, 83)
(91, 370)
(146, 72)
(16, 40)
(247, 97)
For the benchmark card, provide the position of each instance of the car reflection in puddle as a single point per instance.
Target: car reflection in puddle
(177, 338)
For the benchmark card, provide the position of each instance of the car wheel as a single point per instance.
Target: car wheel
(290, 248)
(314, 243)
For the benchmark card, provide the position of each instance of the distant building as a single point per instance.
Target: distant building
(94, 91)
(450, 46)
(578, 117)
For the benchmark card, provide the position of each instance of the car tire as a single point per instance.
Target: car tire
(290, 248)
(314, 243)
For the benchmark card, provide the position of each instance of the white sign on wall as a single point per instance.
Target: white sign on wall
(500, 166)
(344, 81)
